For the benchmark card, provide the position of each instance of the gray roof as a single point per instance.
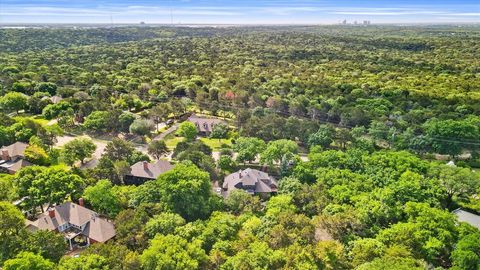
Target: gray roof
(468, 217)
(15, 150)
(251, 180)
(152, 171)
(96, 228)
(205, 124)
(15, 166)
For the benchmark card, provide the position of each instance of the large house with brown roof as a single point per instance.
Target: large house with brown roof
(12, 157)
(205, 125)
(80, 226)
(251, 180)
(143, 171)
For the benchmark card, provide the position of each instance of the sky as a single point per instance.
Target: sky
(238, 12)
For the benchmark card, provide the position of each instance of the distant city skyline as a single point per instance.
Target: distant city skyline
(238, 12)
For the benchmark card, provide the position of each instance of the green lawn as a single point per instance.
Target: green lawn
(216, 144)
(171, 141)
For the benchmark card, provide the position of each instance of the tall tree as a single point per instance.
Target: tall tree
(12, 224)
(186, 190)
(28, 260)
(173, 252)
(102, 198)
(13, 101)
(188, 130)
(78, 149)
(157, 148)
(248, 148)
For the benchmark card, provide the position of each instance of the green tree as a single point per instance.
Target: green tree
(258, 255)
(157, 148)
(289, 185)
(97, 121)
(164, 223)
(36, 155)
(46, 185)
(186, 190)
(118, 257)
(50, 245)
(323, 137)
(141, 127)
(459, 183)
(83, 262)
(226, 163)
(366, 250)
(49, 87)
(393, 263)
(467, 253)
(276, 150)
(199, 159)
(118, 149)
(429, 233)
(159, 113)
(248, 148)
(8, 190)
(28, 260)
(78, 149)
(239, 201)
(188, 130)
(173, 252)
(448, 136)
(102, 198)
(12, 224)
(13, 101)
(219, 131)
(55, 110)
(125, 120)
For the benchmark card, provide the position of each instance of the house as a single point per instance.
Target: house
(79, 225)
(205, 125)
(143, 171)
(470, 218)
(251, 180)
(53, 99)
(12, 157)
(56, 99)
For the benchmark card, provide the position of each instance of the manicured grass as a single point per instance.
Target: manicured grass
(216, 144)
(171, 141)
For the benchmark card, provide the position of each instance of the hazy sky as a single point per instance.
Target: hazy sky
(239, 12)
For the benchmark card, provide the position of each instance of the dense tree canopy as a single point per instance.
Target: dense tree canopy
(356, 125)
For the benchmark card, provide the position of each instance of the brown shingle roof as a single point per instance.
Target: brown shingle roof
(261, 181)
(96, 228)
(15, 150)
(204, 124)
(152, 170)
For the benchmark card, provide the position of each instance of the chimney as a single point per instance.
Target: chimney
(145, 165)
(5, 155)
(51, 212)
(80, 202)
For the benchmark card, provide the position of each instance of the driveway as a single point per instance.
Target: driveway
(168, 131)
(62, 140)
